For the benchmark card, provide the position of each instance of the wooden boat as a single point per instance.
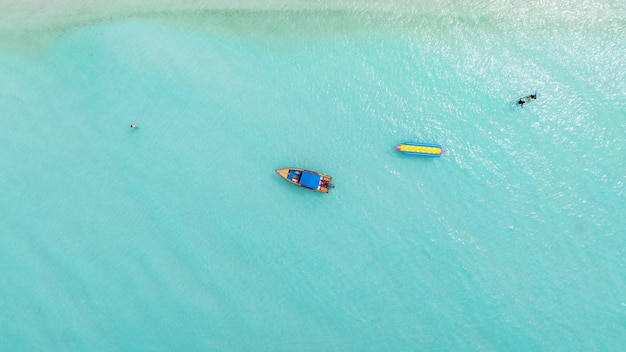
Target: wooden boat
(306, 178)
(423, 149)
(525, 100)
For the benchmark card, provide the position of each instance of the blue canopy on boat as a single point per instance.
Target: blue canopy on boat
(310, 180)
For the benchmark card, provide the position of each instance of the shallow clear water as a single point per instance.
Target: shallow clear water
(179, 235)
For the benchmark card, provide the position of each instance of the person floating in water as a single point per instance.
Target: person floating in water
(133, 126)
(533, 96)
(521, 102)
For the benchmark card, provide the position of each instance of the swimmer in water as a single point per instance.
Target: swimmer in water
(133, 126)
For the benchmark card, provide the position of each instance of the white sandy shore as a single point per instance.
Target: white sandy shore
(35, 13)
(30, 25)
(31, 14)
(15, 14)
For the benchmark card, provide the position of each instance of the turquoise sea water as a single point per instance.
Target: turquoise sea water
(179, 235)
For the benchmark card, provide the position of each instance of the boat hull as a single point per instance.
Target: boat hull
(422, 149)
(308, 179)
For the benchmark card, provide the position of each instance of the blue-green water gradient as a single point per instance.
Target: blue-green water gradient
(178, 235)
